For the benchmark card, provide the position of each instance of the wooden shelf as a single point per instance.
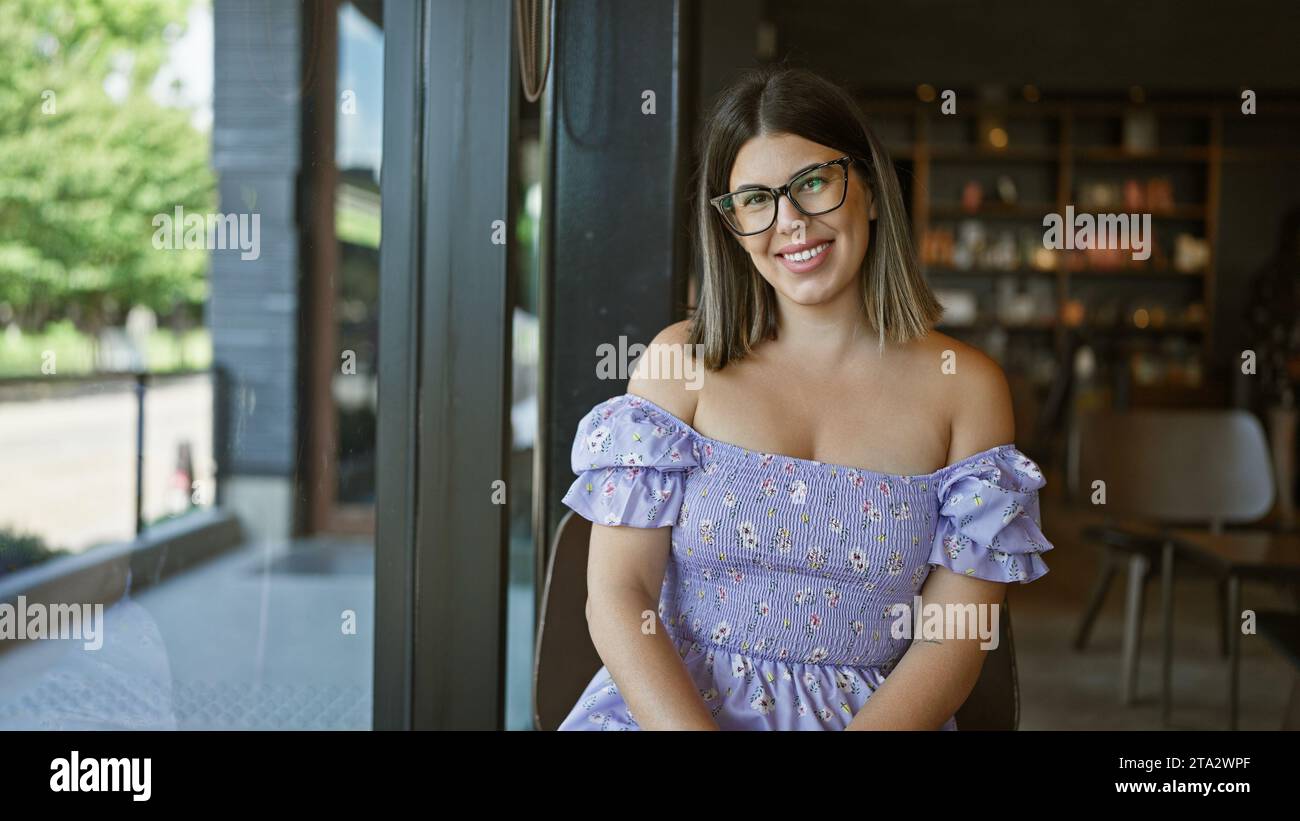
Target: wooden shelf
(1139, 273)
(1095, 273)
(1167, 154)
(946, 210)
(1180, 212)
(994, 324)
(1068, 150)
(1176, 328)
(1010, 154)
(1177, 395)
(944, 271)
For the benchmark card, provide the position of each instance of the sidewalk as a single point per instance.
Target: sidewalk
(251, 640)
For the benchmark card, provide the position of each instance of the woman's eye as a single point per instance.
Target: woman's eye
(813, 184)
(757, 198)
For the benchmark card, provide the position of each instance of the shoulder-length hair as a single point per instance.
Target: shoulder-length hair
(737, 307)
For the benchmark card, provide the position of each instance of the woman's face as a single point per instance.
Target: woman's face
(771, 160)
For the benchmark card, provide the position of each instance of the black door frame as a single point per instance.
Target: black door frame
(444, 381)
(451, 87)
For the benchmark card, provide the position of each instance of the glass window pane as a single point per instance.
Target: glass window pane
(188, 324)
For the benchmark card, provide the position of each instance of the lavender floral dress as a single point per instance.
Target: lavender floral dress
(779, 590)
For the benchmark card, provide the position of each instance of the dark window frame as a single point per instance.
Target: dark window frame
(444, 379)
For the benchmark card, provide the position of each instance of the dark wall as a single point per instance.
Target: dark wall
(1172, 44)
(726, 42)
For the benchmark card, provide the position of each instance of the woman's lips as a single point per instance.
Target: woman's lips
(804, 266)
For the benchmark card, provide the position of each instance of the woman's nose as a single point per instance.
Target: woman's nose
(788, 218)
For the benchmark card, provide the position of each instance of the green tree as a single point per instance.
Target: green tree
(85, 172)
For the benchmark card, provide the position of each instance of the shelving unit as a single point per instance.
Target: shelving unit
(1143, 310)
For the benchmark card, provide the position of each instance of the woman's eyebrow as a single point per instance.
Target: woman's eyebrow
(744, 186)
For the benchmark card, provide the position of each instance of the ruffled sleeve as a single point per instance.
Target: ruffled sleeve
(632, 460)
(989, 523)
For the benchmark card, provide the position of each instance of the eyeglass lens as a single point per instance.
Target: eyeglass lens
(815, 192)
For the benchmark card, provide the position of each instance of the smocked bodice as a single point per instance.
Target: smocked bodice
(792, 559)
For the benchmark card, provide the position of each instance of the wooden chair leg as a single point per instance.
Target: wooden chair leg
(1137, 574)
(1096, 598)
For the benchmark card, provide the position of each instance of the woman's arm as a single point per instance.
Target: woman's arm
(934, 678)
(625, 572)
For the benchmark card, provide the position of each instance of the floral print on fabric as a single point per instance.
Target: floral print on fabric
(780, 587)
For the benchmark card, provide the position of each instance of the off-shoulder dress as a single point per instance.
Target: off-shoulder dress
(779, 592)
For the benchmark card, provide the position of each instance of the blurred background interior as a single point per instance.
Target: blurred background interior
(191, 436)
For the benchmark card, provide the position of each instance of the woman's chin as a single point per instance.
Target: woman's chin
(811, 291)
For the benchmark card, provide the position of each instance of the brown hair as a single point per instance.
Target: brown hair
(737, 307)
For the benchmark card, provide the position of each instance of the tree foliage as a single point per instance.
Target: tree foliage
(83, 171)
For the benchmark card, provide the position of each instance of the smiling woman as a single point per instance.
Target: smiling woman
(757, 136)
(755, 533)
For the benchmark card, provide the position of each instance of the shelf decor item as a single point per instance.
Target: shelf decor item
(1000, 254)
(937, 247)
(991, 125)
(970, 245)
(1139, 131)
(1099, 195)
(960, 308)
(1160, 194)
(1006, 187)
(1072, 313)
(1134, 196)
(1191, 254)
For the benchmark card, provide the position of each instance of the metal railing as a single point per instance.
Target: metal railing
(26, 388)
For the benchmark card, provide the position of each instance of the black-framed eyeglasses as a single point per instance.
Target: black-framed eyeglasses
(815, 191)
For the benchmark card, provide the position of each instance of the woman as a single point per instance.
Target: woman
(752, 537)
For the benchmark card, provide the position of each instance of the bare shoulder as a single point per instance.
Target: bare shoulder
(666, 373)
(974, 391)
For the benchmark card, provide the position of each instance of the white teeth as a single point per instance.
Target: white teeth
(804, 256)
